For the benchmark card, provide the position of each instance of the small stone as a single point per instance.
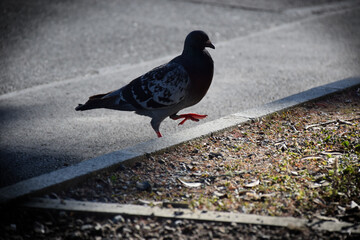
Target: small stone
(161, 161)
(195, 151)
(49, 223)
(146, 228)
(252, 184)
(178, 213)
(76, 235)
(126, 230)
(150, 157)
(86, 227)
(214, 155)
(144, 186)
(283, 147)
(119, 219)
(137, 227)
(62, 214)
(79, 222)
(219, 194)
(98, 227)
(13, 227)
(169, 229)
(222, 229)
(178, 223)
(39, 228)
(354, 205)
(53, 196)
(103, 199)
(121, 167)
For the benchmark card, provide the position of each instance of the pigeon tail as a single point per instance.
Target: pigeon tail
(93, 102)
(100, 101)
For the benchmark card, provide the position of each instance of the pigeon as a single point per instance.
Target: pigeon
(165, 90)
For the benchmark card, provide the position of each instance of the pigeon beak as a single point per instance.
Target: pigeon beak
(209, 44)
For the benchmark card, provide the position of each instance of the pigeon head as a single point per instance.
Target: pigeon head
(198, 40)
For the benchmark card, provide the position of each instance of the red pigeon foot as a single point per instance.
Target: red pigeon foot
(158, 134)
(190, 116)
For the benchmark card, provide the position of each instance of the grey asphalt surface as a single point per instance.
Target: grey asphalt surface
(56, 54)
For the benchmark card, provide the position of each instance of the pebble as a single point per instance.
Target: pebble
(39, 228)
(86, 227)
(118, 219)
(79, 222)
(161, 161)
(121, 167)
(214, 155)
(62, 214)
(144, 186)
(54, 196)
(13, 227)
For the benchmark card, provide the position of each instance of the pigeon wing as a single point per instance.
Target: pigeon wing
(161, 87)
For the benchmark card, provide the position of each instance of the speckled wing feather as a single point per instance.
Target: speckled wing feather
(161, 87)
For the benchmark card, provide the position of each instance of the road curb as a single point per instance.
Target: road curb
(317, 224)
(71, 175)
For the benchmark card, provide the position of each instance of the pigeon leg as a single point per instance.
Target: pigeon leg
(155, 124)
(158, 134)
(190, 116)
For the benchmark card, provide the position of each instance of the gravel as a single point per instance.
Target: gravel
(25, 224)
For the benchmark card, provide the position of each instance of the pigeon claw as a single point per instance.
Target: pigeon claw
(190, 116)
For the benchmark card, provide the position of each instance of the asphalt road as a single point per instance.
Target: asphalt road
(56, 54)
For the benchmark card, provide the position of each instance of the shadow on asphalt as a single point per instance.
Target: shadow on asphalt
(13, 171)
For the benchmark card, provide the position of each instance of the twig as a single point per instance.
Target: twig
(347, 121)
(312, 157)
(320, 124)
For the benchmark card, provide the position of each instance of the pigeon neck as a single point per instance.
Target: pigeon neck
(191, 51)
